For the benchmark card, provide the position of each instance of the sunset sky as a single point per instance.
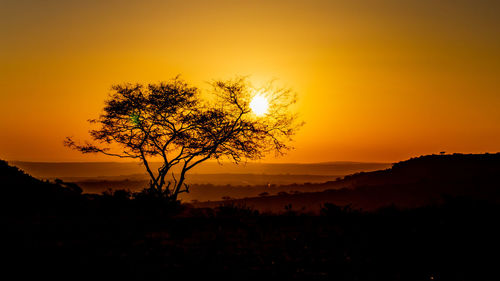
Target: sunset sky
(376, 80)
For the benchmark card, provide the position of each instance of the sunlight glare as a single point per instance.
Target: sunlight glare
(259, 105)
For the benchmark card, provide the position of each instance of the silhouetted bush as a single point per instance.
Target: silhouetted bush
(332, 210)
(117, 194)
(233, 210)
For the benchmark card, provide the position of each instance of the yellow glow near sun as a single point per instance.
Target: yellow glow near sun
(259, 105)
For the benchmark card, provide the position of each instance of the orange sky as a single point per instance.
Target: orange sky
(377, 80)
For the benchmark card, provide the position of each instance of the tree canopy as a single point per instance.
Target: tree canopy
(179, 125)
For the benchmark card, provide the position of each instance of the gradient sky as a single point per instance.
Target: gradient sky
(377, 80)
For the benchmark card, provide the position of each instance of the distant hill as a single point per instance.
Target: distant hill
(409, 183)
(227, 184)
(48, 170)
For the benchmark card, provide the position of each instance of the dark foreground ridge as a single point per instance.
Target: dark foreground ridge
(53, 231)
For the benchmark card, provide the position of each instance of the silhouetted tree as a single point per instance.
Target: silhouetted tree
(172, 122)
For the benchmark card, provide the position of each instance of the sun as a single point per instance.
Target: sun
(259, 105)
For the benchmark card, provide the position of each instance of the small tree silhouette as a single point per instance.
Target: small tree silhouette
(171, 122)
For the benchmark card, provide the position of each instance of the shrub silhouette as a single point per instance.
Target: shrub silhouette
(332, 210)
(234, 210)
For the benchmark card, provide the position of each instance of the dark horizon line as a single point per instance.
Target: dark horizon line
(251, 162)
(211, 161)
